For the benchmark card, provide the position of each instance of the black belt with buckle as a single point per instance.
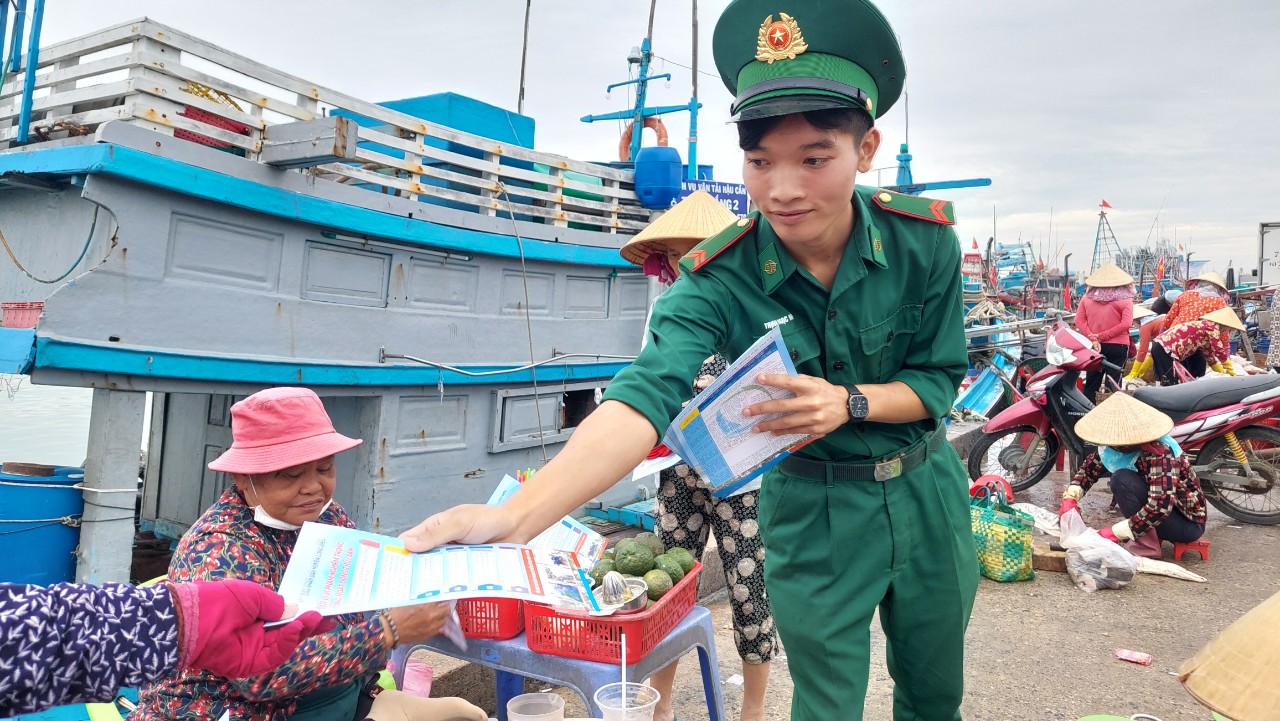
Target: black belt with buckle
(878, 470)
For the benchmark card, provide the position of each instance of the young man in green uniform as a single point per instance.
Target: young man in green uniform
(865, 287)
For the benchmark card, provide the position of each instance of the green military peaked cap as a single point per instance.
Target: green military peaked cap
(789, 56)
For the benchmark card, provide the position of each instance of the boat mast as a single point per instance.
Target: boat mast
(639, 113)
(524, 56)
(693, 103)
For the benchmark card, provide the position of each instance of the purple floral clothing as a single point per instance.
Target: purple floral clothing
(226, 543)
(72, 643)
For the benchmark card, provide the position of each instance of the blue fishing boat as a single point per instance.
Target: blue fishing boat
(192, 224)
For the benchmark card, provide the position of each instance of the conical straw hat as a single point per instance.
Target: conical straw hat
(1224, 316)
(1141, 311)
(1234, 674)
(1108, 275)
(1214, 278)
(1122, 420)
(689, 222)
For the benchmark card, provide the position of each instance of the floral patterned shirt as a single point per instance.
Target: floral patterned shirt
(1172, 485)
(227, 543)
(1192, 305)
(1184, 339)
(73, 643)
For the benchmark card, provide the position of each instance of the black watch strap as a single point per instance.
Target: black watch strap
(858, 407)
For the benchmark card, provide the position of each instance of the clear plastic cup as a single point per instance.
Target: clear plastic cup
(536, 707)
(640, 701)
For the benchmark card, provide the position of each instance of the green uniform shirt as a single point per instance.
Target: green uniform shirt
(895, 313)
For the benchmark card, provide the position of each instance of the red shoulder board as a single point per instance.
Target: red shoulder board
(708, 249)
(914, 206)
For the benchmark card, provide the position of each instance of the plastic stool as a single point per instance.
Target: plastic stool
(1201, 547)
(512, 660)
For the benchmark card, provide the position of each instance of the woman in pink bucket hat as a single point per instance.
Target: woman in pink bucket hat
(281, 462)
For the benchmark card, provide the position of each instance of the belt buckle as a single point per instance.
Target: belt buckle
(891, 468)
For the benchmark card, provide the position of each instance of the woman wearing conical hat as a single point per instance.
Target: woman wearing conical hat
(660, 246)
(1152, 480)
(685, 501)
(1205, 293)
(1104, 317)
(1196, 344)
(1151, 327)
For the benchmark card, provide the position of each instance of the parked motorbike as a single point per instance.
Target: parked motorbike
(1221, 422)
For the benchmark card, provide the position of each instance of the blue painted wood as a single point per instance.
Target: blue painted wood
(17, 350)
(58, 354)
(180, 177)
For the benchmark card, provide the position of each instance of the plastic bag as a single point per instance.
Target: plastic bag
(1093, 562)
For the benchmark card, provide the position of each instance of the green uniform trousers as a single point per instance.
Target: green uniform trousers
(838, 550)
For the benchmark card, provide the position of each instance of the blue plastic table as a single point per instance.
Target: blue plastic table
(513, 662)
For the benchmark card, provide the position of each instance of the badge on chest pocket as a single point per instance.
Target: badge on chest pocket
(885, 344)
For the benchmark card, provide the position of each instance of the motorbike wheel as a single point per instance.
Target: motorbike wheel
(1255, 498)
(1004, 453)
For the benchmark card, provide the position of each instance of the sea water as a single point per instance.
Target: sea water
(43, 424)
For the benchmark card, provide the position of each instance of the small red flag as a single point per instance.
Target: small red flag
(1105, 204)
(975, 244)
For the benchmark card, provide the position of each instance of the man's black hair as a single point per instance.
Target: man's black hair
(851, 120)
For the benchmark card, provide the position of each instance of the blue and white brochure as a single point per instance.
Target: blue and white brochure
(713, 436)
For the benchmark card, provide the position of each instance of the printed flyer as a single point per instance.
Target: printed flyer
(341, 570)
(566, 535)
(717, 440)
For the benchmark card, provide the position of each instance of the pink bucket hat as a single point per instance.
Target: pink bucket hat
(279, 428)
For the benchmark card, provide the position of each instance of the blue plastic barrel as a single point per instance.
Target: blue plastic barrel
(36, 544)
(658, 171)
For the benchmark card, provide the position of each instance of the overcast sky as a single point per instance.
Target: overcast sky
(1149, 104)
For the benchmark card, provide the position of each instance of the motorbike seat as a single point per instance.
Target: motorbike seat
(1182, 400)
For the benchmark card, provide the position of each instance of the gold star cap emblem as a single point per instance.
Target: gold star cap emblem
(770, 267)
(780, 40)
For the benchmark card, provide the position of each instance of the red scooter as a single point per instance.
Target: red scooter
(1221, 422)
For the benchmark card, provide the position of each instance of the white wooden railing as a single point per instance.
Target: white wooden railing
(149, 74)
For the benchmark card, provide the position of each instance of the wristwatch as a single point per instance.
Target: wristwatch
(858, 407)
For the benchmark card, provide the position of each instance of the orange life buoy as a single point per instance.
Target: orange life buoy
(651, 122)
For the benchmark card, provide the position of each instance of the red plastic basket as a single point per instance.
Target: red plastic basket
(21, 315)
(496, 618)
(208, 118)
(599, 638)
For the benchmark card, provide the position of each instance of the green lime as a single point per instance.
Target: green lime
(666, 563)
(602, 567)
(658, 582)
(652, 541)
(682, 557)
(633, 558)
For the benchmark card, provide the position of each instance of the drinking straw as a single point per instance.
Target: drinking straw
(586, 583)
(624, 675)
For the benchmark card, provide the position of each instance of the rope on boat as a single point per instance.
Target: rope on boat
(514, 369)
(528, 324)
(87, 242)
(987, 310)
(73, 521)
(12, 384)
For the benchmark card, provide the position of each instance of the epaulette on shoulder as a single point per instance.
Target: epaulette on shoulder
(708, 249)
(914, 206)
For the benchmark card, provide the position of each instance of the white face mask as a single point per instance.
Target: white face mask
(261, 516)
